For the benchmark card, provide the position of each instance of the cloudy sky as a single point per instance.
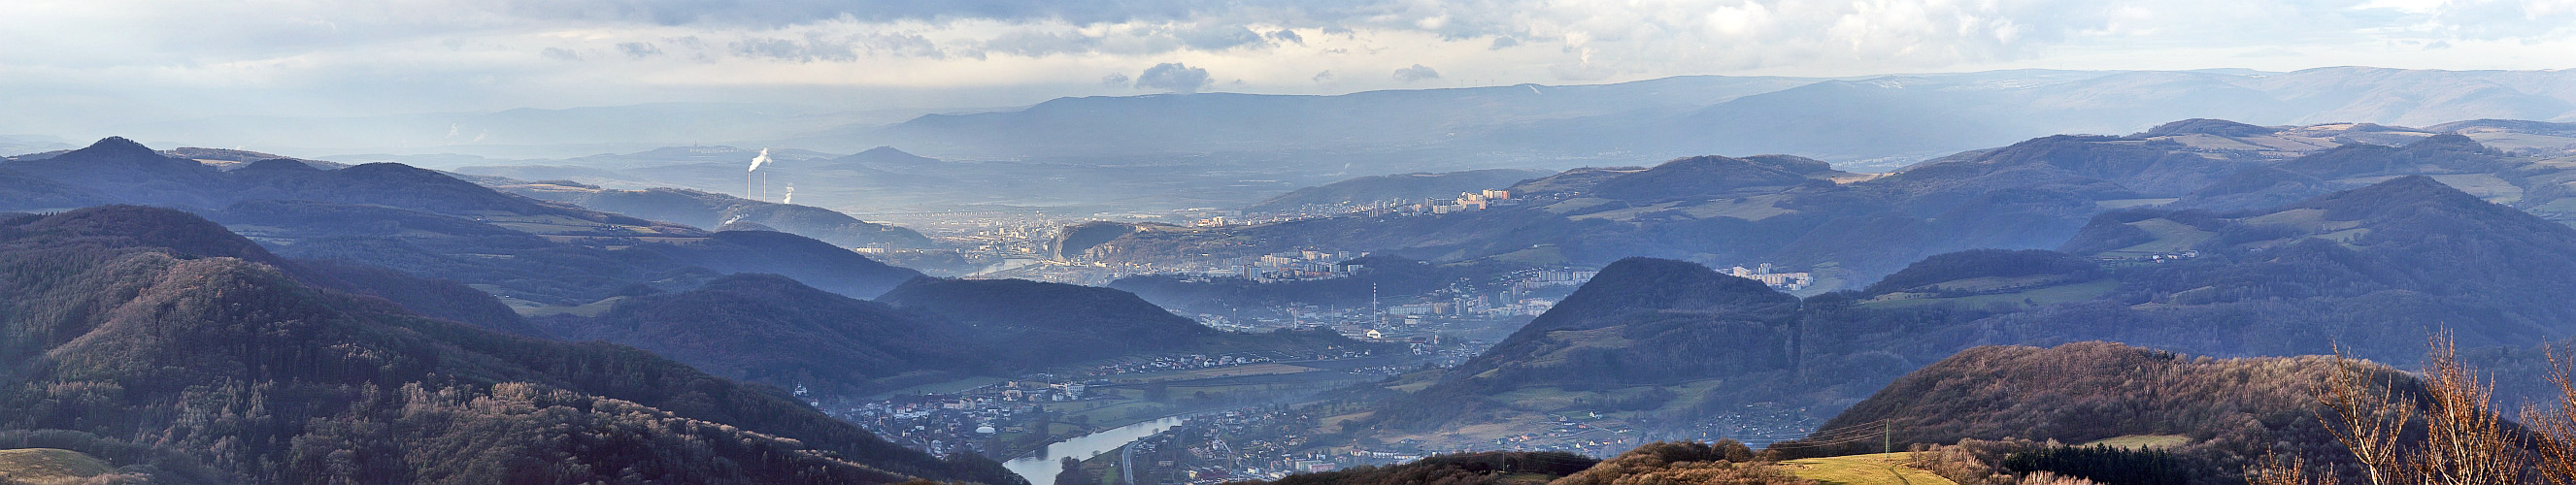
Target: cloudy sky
(100, 61)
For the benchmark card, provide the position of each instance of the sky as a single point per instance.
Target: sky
(94, 62)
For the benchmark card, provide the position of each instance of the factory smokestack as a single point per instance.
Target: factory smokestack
(756, 162)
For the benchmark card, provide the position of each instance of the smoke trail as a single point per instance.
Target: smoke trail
(791, 195)
(758, 161)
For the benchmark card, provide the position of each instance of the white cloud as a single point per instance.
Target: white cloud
(1416, 72)
(1174, 77)
(97, 57)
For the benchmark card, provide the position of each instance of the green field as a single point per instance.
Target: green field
(1123, 413)
(2128, 203)
(48, 464)
(1871, 469)
(2144, 441)
(2483, 185)
(534, 309)
(1558, 400)
(950, 387)
(1753, 208)
(2035, 296)
(1540, 254)
(2170, 237)
(1216, 372)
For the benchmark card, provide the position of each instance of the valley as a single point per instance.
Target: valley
(1077, 293)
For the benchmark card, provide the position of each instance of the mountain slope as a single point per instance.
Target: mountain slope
(128, 171)
(885, 157)
(1712, 175)
(1051, 322)
(2086, 391)
(2382, 263)
(1641, 322)
(2230, 413)
(815, 263)
(712, 211)
(123, 308)
(22, 192)
(771, 329)
(431, 298)
(1036, 325)
(2370, 271)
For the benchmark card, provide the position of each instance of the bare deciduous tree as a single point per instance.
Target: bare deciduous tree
(2465, 441)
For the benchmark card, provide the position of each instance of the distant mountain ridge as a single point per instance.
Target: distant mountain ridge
(533, 253)
(714, 211)
(757, 305)
(1851, 119)
(1851, 228)
(1268, 145)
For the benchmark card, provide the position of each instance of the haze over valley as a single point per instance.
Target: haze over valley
(1528, 243)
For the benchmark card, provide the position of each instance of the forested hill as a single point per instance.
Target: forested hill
(157, 325)
(1030, 324)
(1640, 324)
(2372, 268)
(2373, 271)
(768, 328)
(775, 330)
(1641, 321)
(715, 211)
(2226, 412)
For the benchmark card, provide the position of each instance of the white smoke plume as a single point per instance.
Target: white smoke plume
(758, 161)
(791, 195)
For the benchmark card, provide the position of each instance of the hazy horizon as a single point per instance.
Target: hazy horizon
(85, 66)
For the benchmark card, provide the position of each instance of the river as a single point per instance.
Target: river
(1040, 467)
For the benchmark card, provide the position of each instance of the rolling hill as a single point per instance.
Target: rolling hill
(2372, 270)
(125, 308)
(2218, 415)
(2087, 391)
(714, 211)
(38, 465)
(771, 329)
(1032, 324)
(775, 330)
